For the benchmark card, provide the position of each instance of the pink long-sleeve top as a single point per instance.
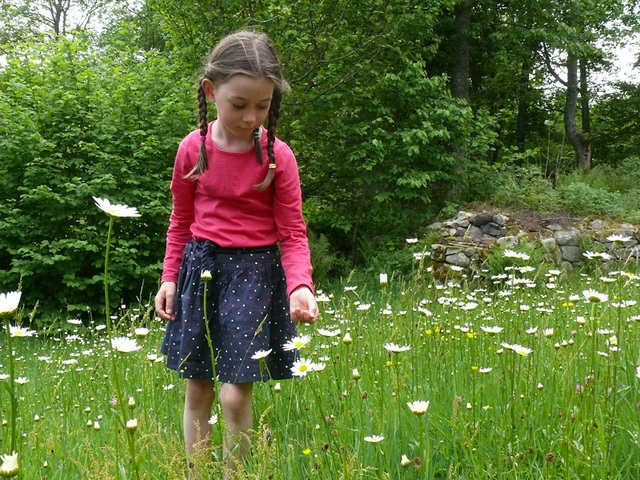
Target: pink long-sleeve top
(223, 206)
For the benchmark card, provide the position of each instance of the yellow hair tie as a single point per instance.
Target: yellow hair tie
(272, 165)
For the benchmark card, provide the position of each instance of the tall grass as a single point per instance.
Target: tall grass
(567, 409)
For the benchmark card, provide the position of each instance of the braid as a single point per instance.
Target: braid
(203, 160)
(272, 124)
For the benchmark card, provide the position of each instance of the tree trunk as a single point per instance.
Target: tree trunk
(580, 140)
(460, 64)
(523, 106)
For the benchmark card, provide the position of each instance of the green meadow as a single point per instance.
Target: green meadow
(529, 373)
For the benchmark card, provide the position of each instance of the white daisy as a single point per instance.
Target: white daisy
(115, 210)
(20, 331)
(9, 302)
(296, 343)
(261, 354)
(392, 347)
(418, 407)
(125, 344)
(374, 438)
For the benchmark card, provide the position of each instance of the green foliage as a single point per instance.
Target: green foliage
(81, 123)
(524, 187)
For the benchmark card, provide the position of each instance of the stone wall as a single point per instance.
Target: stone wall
(469, 238)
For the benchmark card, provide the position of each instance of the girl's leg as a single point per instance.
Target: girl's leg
(235, 400)
(197, 412)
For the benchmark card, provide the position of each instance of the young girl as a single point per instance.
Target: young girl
(236, 194)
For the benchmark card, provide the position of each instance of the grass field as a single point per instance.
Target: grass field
(530, 374)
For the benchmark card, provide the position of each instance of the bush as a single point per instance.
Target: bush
(81, 123)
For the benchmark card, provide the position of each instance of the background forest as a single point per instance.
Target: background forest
(400, 112)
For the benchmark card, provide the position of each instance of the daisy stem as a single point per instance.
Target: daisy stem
(12, 390)
(114, 366)
(210, 344)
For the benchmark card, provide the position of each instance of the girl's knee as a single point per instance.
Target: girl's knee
(199, 393)
(235, 399)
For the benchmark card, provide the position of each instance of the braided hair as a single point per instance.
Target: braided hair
(249, 53)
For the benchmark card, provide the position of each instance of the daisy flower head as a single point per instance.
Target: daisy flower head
(125, 344)
(206, 275)
(20, 331)
(548, 332)
(593, 296)
(418, 407)
(513, 254)
(328, 333)
(141, 332)
(21, 380)
(132, 424)
(491, 330)
(394, 348)
(301, 367)
(618, 238)
(9, 302)
(411, 240)
(520, 350)
(297, 343)
(374, 438)
(115, 210)
(261, 354)
(9, 467)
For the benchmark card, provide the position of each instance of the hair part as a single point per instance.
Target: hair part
(247, 53)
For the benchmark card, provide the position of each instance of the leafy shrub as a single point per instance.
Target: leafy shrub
(81, 123)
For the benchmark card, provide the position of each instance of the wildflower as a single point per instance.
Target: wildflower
(347, 339)
(20, 331)
(384, 280)
(328, 333)
(115, 210)
(405, 462)
(277, 387)
(301, 367)
(132, 424)
(132, 403)
(214, 419)
(548, 332)
(205, 275)
(261, 354)
(141, 332)
(392, 347)
(9, 466)
(168, 387)
(306, 451)
(96, 426)
(520, 350)
(419, 407)
(485, 370)
(618, 238)
(125, 345)
(540, 386)
(21, 380)
(491, 330)
(593, 296)
(296, 343)
(374, 438)
(4, 376)
(592, 255)
(9, 302)
(355, 374)
(511, 254)
(411, 240)
(532, 330)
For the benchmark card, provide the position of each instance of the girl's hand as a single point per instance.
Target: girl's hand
(303, 305)
(164, 300)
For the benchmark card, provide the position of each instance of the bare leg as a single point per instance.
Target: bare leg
(235, 400)
(197, 411)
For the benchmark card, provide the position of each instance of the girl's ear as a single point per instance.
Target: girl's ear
(208, 87)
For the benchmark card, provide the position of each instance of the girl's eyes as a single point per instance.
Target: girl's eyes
(240, 107)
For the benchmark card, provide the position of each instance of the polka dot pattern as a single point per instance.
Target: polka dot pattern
(248, 311)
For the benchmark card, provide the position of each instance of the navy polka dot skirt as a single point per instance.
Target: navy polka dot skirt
(248, 312)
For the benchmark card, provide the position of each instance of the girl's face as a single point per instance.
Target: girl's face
(242, 104)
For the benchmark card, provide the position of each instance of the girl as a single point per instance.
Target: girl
(236, 193)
